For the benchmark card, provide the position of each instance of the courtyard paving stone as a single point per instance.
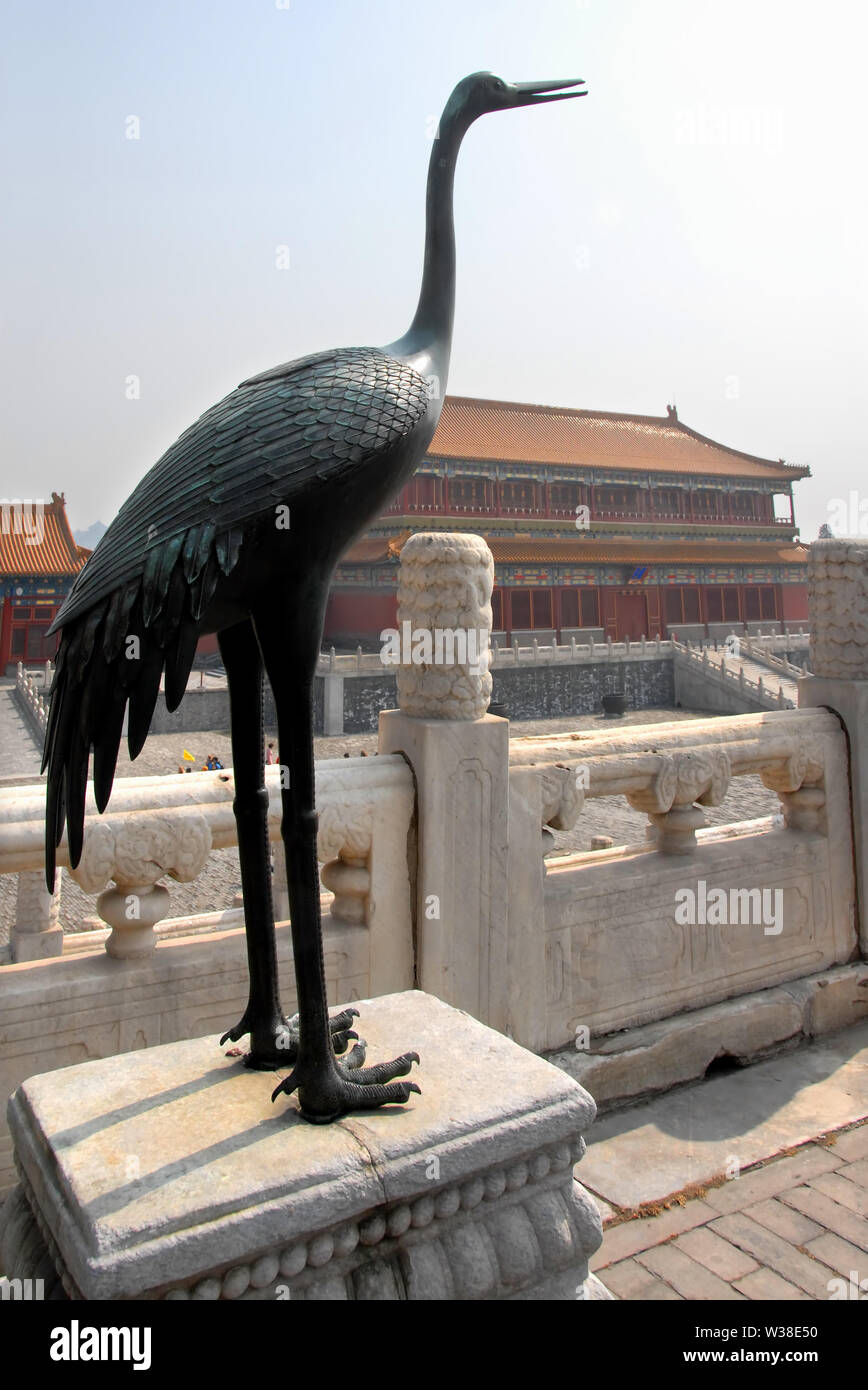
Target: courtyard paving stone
(785, 1228)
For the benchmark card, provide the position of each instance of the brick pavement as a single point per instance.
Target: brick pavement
(784, 1229)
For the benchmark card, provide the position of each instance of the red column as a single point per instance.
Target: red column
(5, 633)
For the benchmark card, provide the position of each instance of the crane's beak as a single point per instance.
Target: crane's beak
(533, 93)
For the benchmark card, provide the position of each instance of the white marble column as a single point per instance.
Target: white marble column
(460, 759)
(838, 607)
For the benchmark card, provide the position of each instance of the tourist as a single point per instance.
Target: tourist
(270, 756)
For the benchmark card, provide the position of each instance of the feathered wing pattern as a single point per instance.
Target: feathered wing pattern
(134, 611)
(113, 657)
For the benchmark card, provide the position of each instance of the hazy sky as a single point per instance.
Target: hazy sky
(692, 229)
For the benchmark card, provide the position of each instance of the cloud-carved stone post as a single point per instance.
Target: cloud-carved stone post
(838, 608)
(460, 757)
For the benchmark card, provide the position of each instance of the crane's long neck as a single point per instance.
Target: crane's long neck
(431, 329)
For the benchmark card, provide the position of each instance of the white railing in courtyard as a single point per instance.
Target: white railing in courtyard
(616, 954)
(159, 827)
(516, 654)
(434, 854)
(729, 672)
(30, 687)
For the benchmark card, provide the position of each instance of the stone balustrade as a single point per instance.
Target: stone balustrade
(615, 951)
(30, 691)
(683, 766)
(433, 853)
(715, 669)
(158, 827)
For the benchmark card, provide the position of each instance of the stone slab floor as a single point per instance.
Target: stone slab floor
(785, 1225)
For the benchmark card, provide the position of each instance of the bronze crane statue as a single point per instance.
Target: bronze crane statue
(237, 531)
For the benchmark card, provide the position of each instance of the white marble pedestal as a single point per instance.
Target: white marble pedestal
(168, 1173)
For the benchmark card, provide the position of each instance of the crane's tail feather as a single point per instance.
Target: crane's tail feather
(143, 698)
(111, 657)
(179, 663)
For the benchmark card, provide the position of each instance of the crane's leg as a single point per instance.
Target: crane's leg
(273, 1038)
(327, 1088)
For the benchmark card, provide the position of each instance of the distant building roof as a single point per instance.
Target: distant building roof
(35, 538)
(508, 430)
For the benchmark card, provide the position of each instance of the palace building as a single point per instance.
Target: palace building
(616, 526)
(38, 561)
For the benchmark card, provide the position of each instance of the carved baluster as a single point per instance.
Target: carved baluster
(685, 778)
(562, 801)
(132, 910)
(349, 878)
(798, 783)
(136, 851)
(805, 809)
(344, 846)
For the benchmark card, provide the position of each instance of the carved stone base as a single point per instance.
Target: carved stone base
(37, 945)
(167, 1173)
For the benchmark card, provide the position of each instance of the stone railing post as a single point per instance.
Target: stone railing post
(36, 931)
(333, 701)
(838, 608)
(460, 758)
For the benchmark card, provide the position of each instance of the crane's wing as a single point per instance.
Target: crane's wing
(155, 570)
(260, 446)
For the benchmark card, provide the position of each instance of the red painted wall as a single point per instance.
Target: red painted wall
(363, 615)
(794, 601)
(608, 612)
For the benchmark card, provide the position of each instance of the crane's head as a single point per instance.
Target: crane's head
(482, 92)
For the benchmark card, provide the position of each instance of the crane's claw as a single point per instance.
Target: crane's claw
(327, 1092)
(274, 1041)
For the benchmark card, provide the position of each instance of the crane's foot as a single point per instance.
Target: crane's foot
(274, 1041)
(332, 1089)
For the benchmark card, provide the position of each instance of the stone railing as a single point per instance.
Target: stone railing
(159, 827)
(714, 667)
(148, 979)
(369, 663)
(517, 654)
(615, 952)
(434, 852)
(30, 690)
(762, 650)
